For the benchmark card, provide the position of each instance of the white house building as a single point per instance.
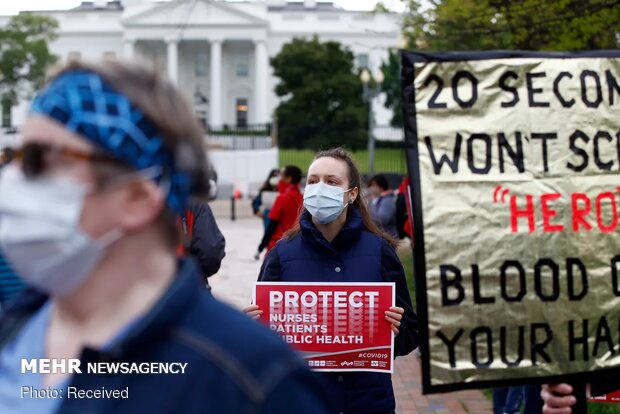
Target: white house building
(218, 52)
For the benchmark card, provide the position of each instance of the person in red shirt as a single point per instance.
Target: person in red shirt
(405, 222)
(285, 210)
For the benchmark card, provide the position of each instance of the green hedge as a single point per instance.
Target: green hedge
(386, 159)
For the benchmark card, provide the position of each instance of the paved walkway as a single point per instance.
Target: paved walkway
(233, 284)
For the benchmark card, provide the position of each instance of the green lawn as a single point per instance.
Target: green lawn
(386, 159)
(603, 408)
(406, 258)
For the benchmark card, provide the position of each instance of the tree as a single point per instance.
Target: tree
(553, 25)
(380, 7)
(322, 102)
(24, 53)
(391, 87)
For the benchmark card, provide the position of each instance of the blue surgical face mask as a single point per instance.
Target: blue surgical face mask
(324, 202)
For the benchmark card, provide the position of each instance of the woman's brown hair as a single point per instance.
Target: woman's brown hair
(360, 202)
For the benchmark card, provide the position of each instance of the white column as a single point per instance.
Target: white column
(129, 48)
(173, 59)
(215, 84)
(261, 81)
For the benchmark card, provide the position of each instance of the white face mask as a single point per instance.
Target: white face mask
(324, 202)
(40, 234)
(273, 181)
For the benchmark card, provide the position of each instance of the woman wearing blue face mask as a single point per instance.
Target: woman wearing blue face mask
(336, 240)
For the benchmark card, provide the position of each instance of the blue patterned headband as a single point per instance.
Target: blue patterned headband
(87, 105)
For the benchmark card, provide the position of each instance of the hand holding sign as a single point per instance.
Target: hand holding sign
(253, 311)
(394, 316)
(557, 398)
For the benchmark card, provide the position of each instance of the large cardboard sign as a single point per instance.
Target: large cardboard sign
(514, 161)
(336, 326)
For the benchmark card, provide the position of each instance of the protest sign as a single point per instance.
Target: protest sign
(613, 397)
(336, 326)
(514, 161)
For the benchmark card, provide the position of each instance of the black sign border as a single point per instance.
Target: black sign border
(408, 59)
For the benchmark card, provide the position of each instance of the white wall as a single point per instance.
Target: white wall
(90, 46)
(100, 21)
(244, 170)
(234, 87)
(9, 140)
(188, 80)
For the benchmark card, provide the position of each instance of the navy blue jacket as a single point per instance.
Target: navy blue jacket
(235, 365)
(355, 255)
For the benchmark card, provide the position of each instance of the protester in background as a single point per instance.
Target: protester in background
(10, 284)
(285, 209)
(336, 240)
(509, 400)
(202, 238)
(383, 204)
(88, 216)
(270, 185)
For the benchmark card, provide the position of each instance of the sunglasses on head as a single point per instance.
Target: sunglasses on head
(34, 156)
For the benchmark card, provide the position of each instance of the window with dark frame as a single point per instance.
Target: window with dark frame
(242, 112)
